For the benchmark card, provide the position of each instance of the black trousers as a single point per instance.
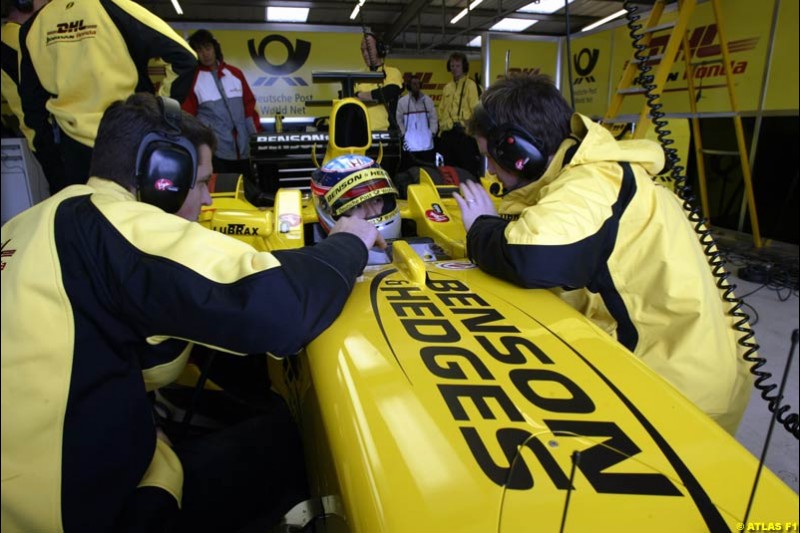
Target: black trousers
(242, 478)
(239, 479)
(423, 158)
(65, 163)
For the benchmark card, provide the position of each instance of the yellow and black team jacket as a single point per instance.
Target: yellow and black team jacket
(102, 295)
(386, 93)
(79, 56)
(9, 78)
(596, 220)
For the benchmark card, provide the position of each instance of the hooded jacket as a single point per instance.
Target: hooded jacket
(596, 220)
(232, 123)
(102, 296)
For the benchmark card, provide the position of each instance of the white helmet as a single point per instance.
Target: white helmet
(345, 183)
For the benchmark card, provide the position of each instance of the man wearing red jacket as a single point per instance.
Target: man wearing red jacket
(222, 100)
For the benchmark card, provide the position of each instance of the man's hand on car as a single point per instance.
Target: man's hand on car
(366, 231)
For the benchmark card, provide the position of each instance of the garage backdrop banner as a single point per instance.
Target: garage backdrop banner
(531, 56)
(278, 66)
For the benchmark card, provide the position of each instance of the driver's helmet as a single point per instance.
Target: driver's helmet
(351, 182)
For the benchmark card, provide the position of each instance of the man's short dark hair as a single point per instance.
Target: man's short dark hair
(530, 102)
(122, 128)
(201, 37)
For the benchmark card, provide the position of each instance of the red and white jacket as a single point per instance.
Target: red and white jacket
(232, 123)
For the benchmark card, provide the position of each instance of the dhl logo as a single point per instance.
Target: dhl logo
(427, 84)
(72, 27)
(701, 43)
(702, 46)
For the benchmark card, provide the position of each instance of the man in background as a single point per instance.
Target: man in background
(16, 13)
(416, 117)
(78, 56)
(382, 95)
(459, 97)
(221, 98)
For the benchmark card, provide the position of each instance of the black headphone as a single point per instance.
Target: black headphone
(25, 6)
(511, 147)
(460, 56)
(166, 163)
(380, 46)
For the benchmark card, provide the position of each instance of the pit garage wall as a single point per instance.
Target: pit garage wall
(278, 63)
(767, 93)
(598, 60)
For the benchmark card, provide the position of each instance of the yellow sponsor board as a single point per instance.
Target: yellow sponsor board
(782, 93)
(747, 28)
(591, 61)
(278, 65)
(525, 56)
(432, 72)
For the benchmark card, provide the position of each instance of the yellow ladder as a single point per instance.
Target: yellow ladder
(678, 39)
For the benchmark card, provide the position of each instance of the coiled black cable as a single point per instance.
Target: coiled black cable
(715, 260)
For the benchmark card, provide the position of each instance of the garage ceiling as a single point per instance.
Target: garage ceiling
(406, 25)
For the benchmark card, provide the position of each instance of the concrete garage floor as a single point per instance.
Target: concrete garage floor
(774, 319)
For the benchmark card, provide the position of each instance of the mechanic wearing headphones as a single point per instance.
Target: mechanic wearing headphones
(78, 56)
(459, 97)
(105, 287)
(581, 211)
(386, 93)
(15, 13)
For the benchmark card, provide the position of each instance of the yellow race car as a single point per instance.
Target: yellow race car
(443, 399)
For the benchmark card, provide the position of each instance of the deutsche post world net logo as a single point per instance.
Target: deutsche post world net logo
(296, 57)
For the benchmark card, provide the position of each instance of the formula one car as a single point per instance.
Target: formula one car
(443, 399)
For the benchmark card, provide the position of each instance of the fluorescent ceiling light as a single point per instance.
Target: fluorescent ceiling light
(603, 21)
(356, 9)
(287, 14)
(476, 42)
(512, 24)
(543, 6)
(463, 12)
(177, 7)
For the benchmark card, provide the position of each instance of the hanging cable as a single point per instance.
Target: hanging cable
(569, 57)
(715, 260)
